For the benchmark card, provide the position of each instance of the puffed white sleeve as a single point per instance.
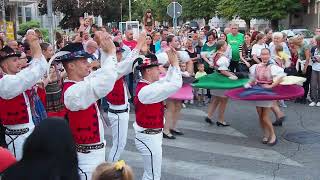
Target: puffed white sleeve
(125, 67)
(95, 86)
(252, 71)
(277, 71)
(223, 63)
(13, 85)
(162, 89)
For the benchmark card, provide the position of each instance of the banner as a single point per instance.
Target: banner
(10, 29)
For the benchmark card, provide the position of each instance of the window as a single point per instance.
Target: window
(20, 15)
(28, 13)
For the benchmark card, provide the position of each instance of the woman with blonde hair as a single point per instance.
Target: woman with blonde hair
(115, 171)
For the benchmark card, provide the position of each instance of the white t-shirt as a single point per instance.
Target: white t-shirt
(256, 49)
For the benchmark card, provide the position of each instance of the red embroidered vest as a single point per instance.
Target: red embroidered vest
(116, 96)
(148, 115)
(14, 111)
(263, 74)
(84, 124)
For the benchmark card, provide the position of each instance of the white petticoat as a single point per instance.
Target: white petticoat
(218, 92)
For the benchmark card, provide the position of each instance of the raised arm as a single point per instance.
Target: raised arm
(99, 83)
(125, 67)
(162, 89)
(13, 85)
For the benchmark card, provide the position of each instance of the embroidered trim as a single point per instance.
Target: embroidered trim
(85, 148)
(16, 131)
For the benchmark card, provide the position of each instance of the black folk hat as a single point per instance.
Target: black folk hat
(73, 51)
(7, 52)
(147, 61)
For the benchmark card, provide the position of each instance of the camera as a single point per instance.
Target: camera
(315, 58)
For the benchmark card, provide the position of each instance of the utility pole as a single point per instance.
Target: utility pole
(121, 11)
(175, 17)
(129, 10)
(50, 20)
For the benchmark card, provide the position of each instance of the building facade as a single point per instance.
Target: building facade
(307, 17)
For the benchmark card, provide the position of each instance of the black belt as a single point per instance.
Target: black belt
(16, 131)
(151, 131)
(85, 148)
(118, 111)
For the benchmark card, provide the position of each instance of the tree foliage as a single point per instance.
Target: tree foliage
(24, 27)
(276, 10)
(240, 8)
(272, 10)
(195, 9)
(108, 9)
(158, 8)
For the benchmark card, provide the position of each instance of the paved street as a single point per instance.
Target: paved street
(235, 153)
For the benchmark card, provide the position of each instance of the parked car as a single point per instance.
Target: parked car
(308, 35)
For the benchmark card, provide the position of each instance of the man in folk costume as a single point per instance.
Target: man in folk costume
(118, 111)
(149, 109)
(81, 91)
(16, 109)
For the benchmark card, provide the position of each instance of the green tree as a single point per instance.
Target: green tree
(158, 8)
(24, 27)
(241, 8)
(193, 9)
(72, 13)
(68, 7)
(273, 10)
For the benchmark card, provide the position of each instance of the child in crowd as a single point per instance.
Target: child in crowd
(282, 60)
(185, 73)
(200, 92)
(115, 171)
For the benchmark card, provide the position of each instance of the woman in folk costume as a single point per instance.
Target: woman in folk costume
(81, 91)
(15, 101)
(53, 84)
(118, 111)
(174, 102)
(224, 79)
(263, 89)
(149, 109)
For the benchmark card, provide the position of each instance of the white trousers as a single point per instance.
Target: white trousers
(89, 162)
(119, 125)
(16, 142)
(150, 147)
